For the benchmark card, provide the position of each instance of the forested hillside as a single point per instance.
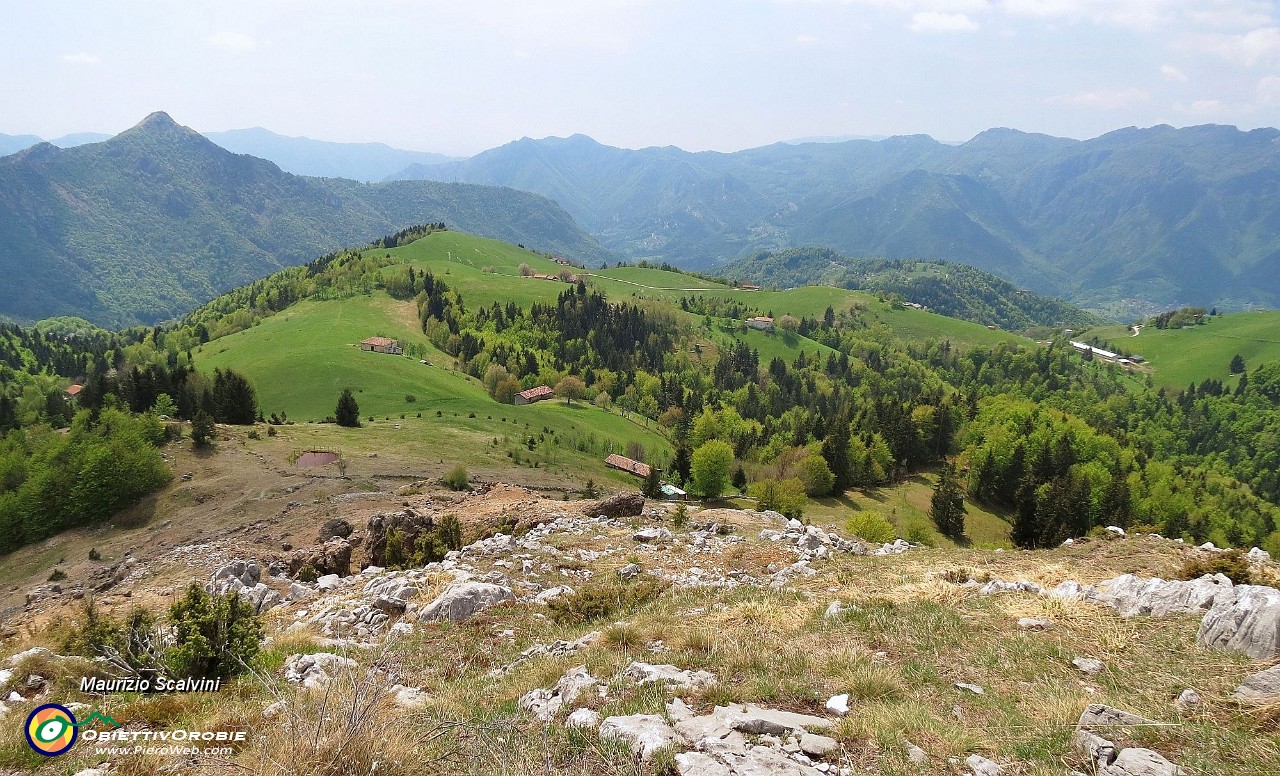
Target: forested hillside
(156, 220)
(1132, 221)
(955, 290)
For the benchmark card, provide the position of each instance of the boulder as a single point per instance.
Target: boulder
(699, 764)
(334, 526)
(461, 600)
(749, 718)
(621, 505)
(817, 746)
(1140, 762)
(981, 766)
(1246, 620)
(653, 534)
(1262, 687)
(647, 733)
(333, 556)
(408, 523)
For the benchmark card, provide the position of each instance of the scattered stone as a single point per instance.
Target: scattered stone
(644, 673)
(274, 710)
(749, 718)
(817, 746)
(1099, 751)
(839, 704)
(1258, 554)
(1100, 715)
(916, 755)
(315, 670)
(833, 610)
(656, 534)
(628, 571)
(583, 718)
(328, 582)
(981, 766)
(1089, 665)
(647, 733)
(410, 698)
(461, 600)
(973, 688)
(1189, 700)
(1116, 530)
(1033, 624)
(1261, 687)
(546, 596)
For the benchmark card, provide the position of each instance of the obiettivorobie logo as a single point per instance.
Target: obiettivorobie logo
(52, 729)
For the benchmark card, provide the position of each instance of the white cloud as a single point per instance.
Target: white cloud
(1268, 91)
(1103, 99)
(806, 40)
(1203, 107)
(232, 41)
(1173, 74)
(81, 59)
(936, 21)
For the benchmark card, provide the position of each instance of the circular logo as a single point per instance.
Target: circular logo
(51, 729)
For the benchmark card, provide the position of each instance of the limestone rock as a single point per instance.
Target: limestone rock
(546, 596)
(410, 698)
(332, 556)
(678, 710)
(654, 534)
(1132, 595)
(334, 526)
(647, 733)
(698, 764)
(644, 673)
(839, 704)
(1246, 621)
(749, 718)
(315, 670)
(981, 766)
(1100, 715)
(1262, 687)
(1088, 665)
(461, 600)
(545, 703)
(817, 746)
(1033, 624)
(628, 571)
(1134, 761)
(1189, 700)
(583, 718)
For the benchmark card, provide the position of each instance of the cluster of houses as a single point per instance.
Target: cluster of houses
(1106, 355)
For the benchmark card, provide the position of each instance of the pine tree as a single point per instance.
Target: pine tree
(348, 411)
(652, 483)
(835, 450)
(202, 429)
(947, 506)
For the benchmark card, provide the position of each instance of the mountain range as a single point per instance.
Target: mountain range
(148, 224)
(299, 155)
(1134, 220)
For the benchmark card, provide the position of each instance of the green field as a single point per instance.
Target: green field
(301, 359)
(1179, 357)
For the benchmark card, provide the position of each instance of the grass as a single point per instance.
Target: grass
(1178, 357)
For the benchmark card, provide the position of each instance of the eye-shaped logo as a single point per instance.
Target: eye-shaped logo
(51, 729)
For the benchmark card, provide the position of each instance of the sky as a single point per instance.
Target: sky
(460, 77)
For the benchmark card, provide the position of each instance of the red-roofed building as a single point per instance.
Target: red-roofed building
(761, 322)
(627, 465)
(382, 345)
(534, 394)
(74, 390)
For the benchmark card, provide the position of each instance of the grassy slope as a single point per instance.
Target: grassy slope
(1179, 357)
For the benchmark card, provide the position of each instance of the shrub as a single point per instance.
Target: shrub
(271, 431)
(253, 434)
(134, 642)
(1232, 564)
(214, 636)
(410, 398)
(450, 531)
(94, 554)
(681, 517)
(457, 478)
(870, 526)
(58, 575)
(308, 573)
(596, 602)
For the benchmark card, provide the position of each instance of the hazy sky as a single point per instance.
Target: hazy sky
(458, 77)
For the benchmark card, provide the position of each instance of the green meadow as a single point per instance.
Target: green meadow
(1179, 357)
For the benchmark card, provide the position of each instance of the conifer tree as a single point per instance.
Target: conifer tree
(947, 505)
(348, 411)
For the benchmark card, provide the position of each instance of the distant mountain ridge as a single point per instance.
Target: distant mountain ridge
(147, 225)
(1134, 220)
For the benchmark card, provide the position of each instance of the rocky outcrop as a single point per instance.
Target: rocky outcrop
(407, 523)
(242, 577)
(1262, 687)
(646, 673)
(647, 733)
(1108, 759)
(461, 600)
(545, 703)
(333, 556)
(1246, 620)
(316, 670)
(621, 505)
